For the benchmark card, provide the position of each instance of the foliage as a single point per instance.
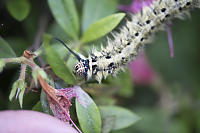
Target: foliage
(65, 13)
(121, 117)
(57, 63)
(19, 9)
(101, 27)
(6, 50)
(88, 113)
(109, 107)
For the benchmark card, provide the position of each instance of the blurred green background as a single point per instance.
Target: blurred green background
(170, 103)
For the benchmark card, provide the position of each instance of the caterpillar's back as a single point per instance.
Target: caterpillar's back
(132, 37)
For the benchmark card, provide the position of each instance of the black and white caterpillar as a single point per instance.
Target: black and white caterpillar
(132, 37)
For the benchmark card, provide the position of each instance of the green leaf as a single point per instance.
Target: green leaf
(44, 103)
(94, 10)
(123, 117)
(149, 124)
(108, 124)
(39, 72)
(5, 49)
(18, 44)
(87, 112)
(37, 107)
(21, 93)
(14, 89)
(19, 9)
(101, 27)
(56, 63)
(55, 30)
(64, 11)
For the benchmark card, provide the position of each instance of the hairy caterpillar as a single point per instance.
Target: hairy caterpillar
(132, 37)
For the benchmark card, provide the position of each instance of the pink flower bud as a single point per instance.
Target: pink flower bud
(141, 71)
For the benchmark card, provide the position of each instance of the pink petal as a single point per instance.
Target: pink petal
(135, 6)
(25, 121)
(141, 71)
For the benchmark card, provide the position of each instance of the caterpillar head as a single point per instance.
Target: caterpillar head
(81, 68)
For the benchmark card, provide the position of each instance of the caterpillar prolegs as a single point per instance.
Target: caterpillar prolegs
(132, 37)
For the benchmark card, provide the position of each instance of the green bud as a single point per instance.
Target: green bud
(14, 89)
(34, 75)
(19, 84)
(2, 64)
(39, 72)
(21, 95)
(43, 74)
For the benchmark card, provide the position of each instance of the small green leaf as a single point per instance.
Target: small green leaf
(102, 27)
(43, 74)
(123, 117)
(5, 50)
(94, 10)
(37, 107)
(20, 85)
(87, 112)
(19, 9)
(21, 93)
(39, 72)
(56, 63)
(14, 89)
(34, 75)
(64, 11)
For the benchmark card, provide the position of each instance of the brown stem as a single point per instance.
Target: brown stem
(42, 26)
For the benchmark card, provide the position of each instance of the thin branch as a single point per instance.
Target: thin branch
(23, 72)
(36, 44)
(42, 27)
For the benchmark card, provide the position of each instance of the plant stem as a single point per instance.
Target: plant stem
(14, 60)
(23, 72)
